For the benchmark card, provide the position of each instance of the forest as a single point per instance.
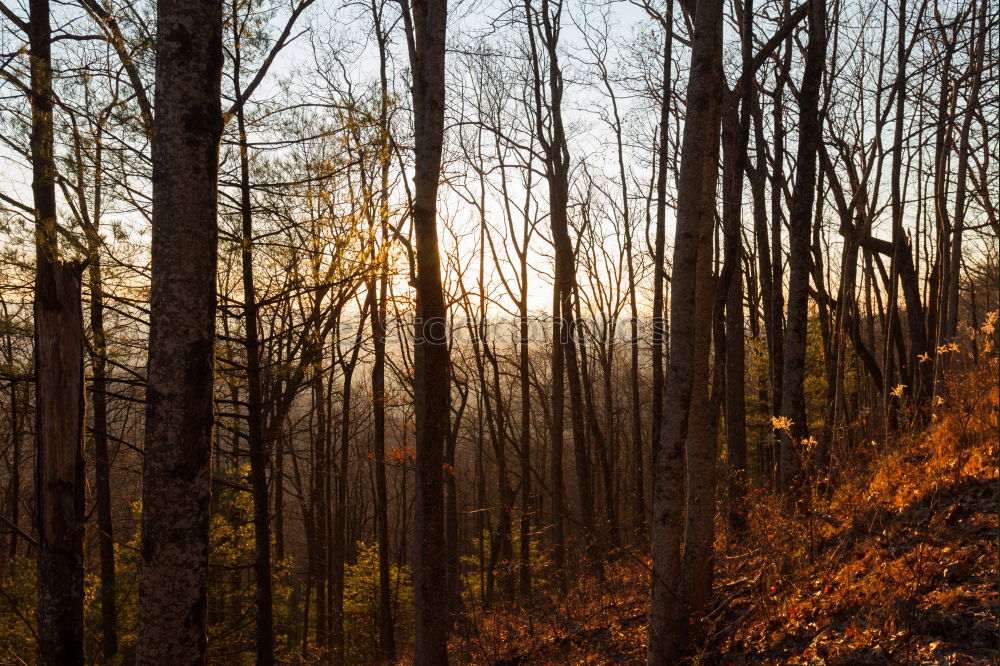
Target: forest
(499, 331)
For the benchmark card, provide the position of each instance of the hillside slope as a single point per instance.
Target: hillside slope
(898, 566)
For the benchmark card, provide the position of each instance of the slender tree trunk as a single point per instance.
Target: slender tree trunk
(772, 311)
(638, 477)
(319, 499)
(609, 530)
(255, 404)
(308, 524)
(961, 189)
(102, 458)
(387, 641)
(453, 537)
(527, 500)
(524, 371)
(426, 41)
(896, 204)
(505, 525)
(545, 25)
(800, 223)
(179, 412)
(542, 26)
(278, 482)
(690, 333)
(700, 447)
(778, 183)
(503, 566)
(379, 313)
(943, 142)
(14, 504)
(558, 439)
(735, 137)
(500, 539)
(59, 388)
(637, 517)
(581, 456)
(659, 242)
(339, 554)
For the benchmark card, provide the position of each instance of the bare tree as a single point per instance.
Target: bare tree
(800, 223)
(686, 425)
(425, 22)
(59, 412)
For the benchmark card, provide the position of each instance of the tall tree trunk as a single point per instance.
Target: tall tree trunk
(943, 142)
(778, 184)
(506, 492)
(637, 517)
(558, 444)
(609, 530)
(524, 372)
(102, 458)
(527, 498)
(768, 286)
(544, 29)
(426, 42)
(896, 204)
(386, 635)
(59, 389)
(339, 553)
(320, 504)
(659, 242)
(800, 223)
(453, 538)
(904, 273)
(735, 138)
(495, 418)
(14, 501)
(278, 482)
(500, 546)
(638, 477)
(700, 447)
(690, 333)
(179, 411)
(379, 313)
(255, 403)
(961, 191)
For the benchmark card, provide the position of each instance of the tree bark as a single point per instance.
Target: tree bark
(524, 370)
(59, 461)
(690, 335)
(179, 411)
(102, 457)
(544, 29)
(386, 634)
(800, 223)
(659, 242)
(735, 138)
(259, 457)
(379, 312)
(426, 42)
(768, 286)
(339, 554)
(961, 191)
(700, 447)
(59, 388)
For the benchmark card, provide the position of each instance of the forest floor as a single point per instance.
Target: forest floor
(898, 566)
